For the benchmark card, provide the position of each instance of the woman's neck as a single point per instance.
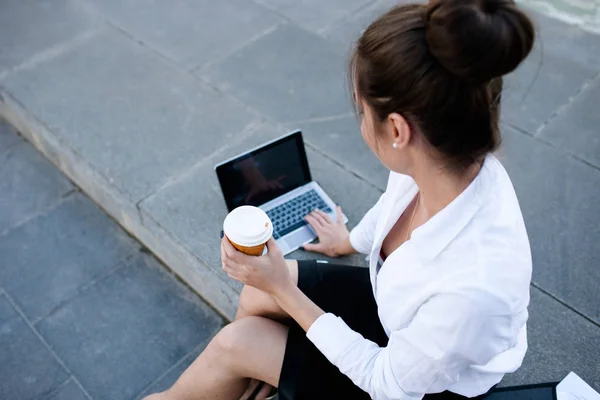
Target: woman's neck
(438, 187)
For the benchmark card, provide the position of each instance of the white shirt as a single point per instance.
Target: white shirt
(452, 300)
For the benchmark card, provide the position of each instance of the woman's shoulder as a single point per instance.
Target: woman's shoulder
(493, 253)
(498, 222)
(495, 269)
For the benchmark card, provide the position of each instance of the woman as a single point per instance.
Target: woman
(441, 311)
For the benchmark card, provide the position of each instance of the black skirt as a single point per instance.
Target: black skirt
(346, 292)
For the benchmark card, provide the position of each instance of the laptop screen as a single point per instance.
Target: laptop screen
(265, 173)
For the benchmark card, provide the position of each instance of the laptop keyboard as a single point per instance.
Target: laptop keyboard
(289, 216)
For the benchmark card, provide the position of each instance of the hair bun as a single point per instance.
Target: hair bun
(478, 40)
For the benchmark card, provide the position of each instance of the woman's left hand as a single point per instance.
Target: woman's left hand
(268, 273)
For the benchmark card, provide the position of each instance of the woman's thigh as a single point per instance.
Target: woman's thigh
(254, 302)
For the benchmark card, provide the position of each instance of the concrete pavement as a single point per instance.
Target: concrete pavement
(85, 311)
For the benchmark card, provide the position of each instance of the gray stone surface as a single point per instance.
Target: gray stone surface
(123, 210)
(535, 92)
(70, 391)
(564, 59)
(560, 200)
(135, 117)
(341, 140)
(315, 15)
(55, 21)
(46, 186)
(191, 32)
(118, 319)
(170, 377)
(51, 257)
(559, 342)
(289, 75)
(28, 369)
(8, 136)
(143, 321)
(566, 41)
(576, 129)
(348, 30)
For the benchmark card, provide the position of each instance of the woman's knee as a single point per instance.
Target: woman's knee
(254, 302)
(233, 339)
(251, 347)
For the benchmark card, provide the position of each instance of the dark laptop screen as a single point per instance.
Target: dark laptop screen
(266, 173)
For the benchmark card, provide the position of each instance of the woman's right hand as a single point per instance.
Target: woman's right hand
(334, 237)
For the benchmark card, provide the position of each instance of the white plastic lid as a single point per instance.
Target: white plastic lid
(248, 226)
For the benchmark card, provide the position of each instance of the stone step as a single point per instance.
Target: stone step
(123, 210)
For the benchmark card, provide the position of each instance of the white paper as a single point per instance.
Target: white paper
(574, 388)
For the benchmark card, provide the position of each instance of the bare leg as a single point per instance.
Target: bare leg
(252, 347)
(254, 302)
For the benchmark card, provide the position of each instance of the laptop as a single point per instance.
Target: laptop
(276, 178)
(543, 391)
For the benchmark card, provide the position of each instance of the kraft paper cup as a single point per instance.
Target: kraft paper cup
(248, 229)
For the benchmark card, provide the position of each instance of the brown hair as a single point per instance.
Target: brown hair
(440, 65)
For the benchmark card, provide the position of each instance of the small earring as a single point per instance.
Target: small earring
(395, 145)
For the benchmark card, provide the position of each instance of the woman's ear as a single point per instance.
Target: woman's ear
(400, 130)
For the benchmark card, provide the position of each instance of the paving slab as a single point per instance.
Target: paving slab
(54, 22)
(48, 259)
(46, 186)
(560, 341)
(566, 40)
(135, 117)
(70, 391)
(144, 321)
(167, 380)
(193, 209)
(560, 200)
(564, 59)
(119, 206)
(8, 137)
(582, 14)
(348, 30)
(191, 32)
(28, 369)
(575, 129)
(289, 75)
(340, 139)
(314, 15)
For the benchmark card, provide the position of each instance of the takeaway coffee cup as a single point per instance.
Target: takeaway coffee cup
(248, 229)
